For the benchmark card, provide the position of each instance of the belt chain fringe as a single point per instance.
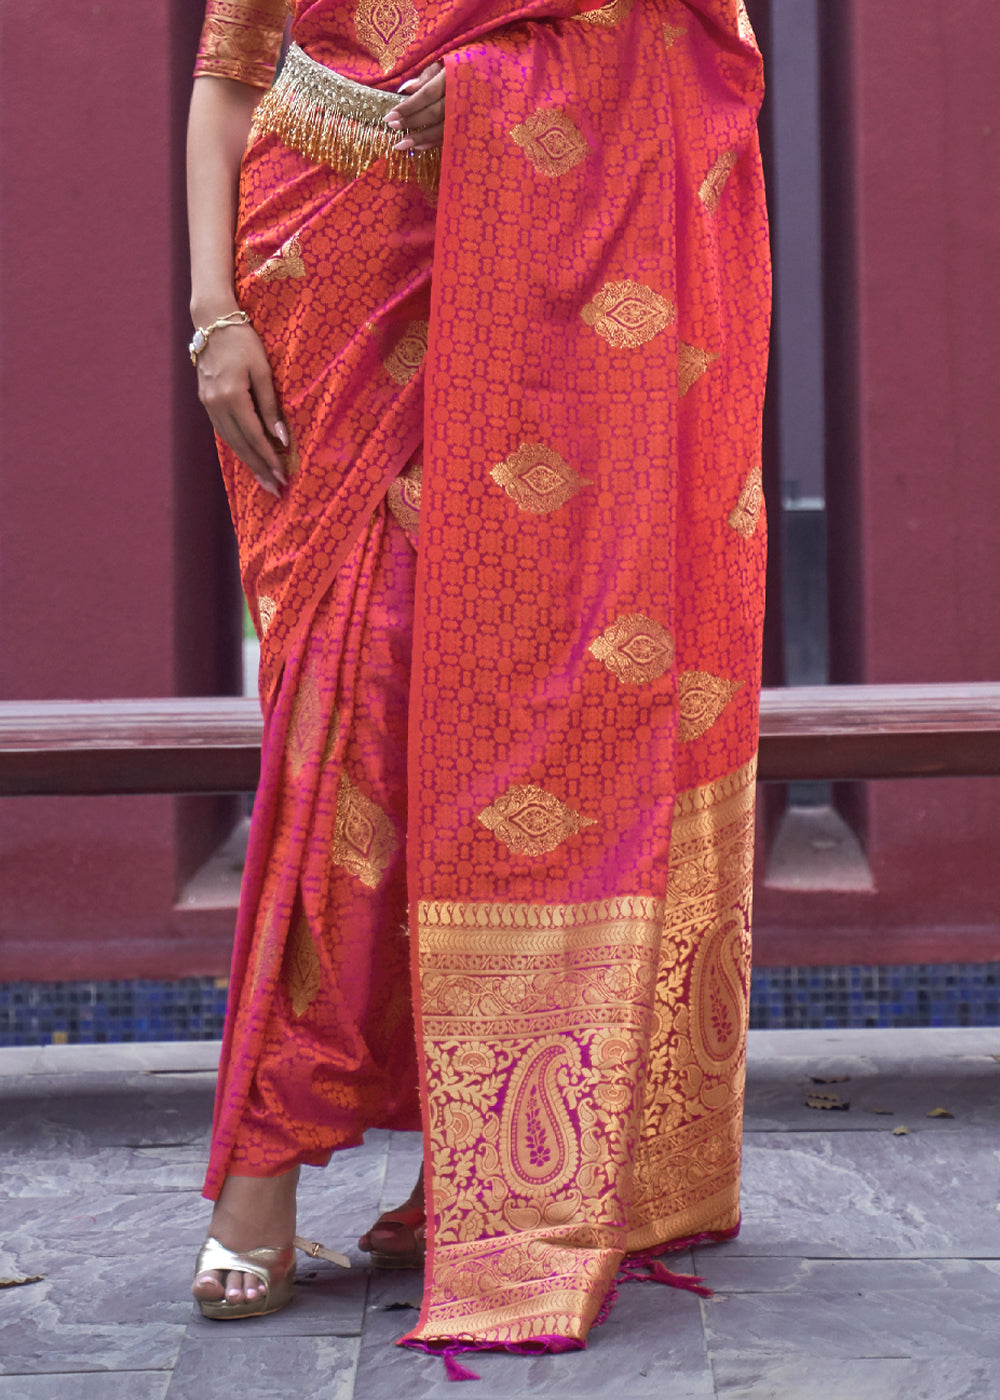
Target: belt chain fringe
(337, 122)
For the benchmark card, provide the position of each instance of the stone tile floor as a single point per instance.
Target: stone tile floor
(869, 1262)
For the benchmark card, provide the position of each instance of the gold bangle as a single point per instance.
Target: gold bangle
(200, 338)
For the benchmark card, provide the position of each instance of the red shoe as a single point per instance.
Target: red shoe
(406, 1229)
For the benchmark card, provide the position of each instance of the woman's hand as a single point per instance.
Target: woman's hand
(421, 114)
(234, 384)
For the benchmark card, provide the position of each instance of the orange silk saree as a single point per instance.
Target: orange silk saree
(529, 733)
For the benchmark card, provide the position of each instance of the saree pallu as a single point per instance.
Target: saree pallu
(583, 379)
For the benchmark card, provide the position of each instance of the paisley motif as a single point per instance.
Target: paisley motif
(692, 362)
(745, 515)
(537, 479)
(551, 141)
(530, 821)
(286, 262)
(718, 996)
(634, 648)
(406, 356)
(386, 28)
(703, 697)
(537, 1138)
(715, 181)
(627, 314)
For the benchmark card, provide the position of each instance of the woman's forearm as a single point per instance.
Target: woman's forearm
(218, 126)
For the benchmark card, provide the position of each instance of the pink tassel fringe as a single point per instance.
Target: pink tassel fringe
(456, 1371)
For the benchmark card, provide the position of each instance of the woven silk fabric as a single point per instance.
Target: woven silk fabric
(570, 336)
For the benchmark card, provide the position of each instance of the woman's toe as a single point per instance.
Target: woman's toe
(208, 1286)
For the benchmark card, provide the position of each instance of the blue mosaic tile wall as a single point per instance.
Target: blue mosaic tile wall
(86, 1013)
(92, 1013)
(832, 998)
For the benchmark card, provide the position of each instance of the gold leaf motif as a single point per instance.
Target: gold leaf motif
(530, 821)
(286, 262)
(266, 608)
(407, 354)
(671, 33)
(635, 648)
(627, 314)
(703, 697)
(692, 362)
(305, 725)
(403, 497)
(386, 28)
(608, 14)
(303, 975)
(364, 839)
(745, 515)
(551, 141)
(715, 181)
(537, 478)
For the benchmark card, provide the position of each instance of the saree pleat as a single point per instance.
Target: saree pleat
(582, 382)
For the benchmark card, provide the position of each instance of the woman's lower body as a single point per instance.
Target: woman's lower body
(546, 716)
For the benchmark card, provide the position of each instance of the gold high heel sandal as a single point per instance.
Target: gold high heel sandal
(274, 1267)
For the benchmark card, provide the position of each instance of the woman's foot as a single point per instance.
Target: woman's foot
(252, 1212)
(396, 1240)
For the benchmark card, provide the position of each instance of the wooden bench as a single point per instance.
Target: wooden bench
(212, 744)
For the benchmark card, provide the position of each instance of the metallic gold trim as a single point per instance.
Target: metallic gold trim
(334, 121)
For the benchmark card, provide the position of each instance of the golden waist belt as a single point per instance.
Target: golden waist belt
(337, 122)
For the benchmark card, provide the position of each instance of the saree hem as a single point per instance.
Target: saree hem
(628, 1272)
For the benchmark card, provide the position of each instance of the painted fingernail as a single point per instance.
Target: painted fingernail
(281, 433)
(404, 145)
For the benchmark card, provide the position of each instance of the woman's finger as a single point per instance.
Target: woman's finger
(261, 457)
(262, 388)
(425, 104)
(426, 139)
(231, 431)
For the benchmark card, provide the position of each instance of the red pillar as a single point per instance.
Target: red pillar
(913, 230)
(115, 578)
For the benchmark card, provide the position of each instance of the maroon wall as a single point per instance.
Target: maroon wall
(115, 563)
(115, 575)
(912, 232)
